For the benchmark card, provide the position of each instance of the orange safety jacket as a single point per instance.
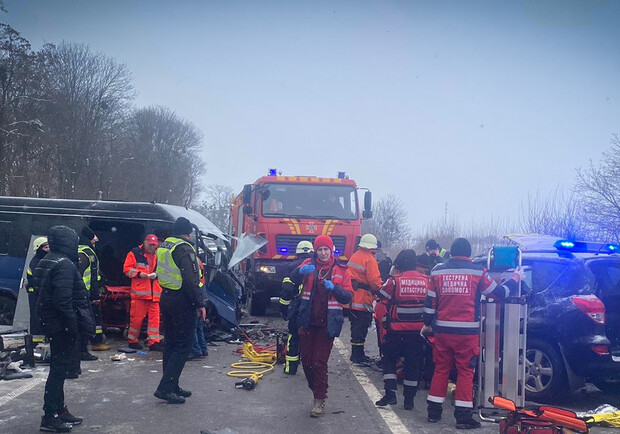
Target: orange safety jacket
(365, 278)
(136, 262)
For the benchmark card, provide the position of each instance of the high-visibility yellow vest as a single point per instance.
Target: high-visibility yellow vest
(92, 260)
(168, 273)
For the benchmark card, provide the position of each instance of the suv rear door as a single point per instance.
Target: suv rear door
(607, 285)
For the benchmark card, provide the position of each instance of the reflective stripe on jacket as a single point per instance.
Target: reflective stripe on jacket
(453, 302)
(93, 266)
(340, 295)
(366, 279)
(168, 272)
(405, 294)
(136, 262)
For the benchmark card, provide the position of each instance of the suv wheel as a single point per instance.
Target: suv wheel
(545, 374)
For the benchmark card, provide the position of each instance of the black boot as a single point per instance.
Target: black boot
(388, 399)
(135, 346)
(184, 393)
(172, 398)
(65, 416)
(53, 423)
(409, 392)
(86, 356)
(409, 402)
(464, 418)
(357, 354)
(434, 412)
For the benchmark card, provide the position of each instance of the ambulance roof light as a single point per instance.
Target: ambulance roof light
(273, 172)
(564, 245)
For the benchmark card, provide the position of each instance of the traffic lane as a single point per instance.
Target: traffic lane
(117, 397)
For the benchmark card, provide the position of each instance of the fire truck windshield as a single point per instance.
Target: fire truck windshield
(309, 201)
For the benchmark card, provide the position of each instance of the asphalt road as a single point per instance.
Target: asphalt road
(117, 397)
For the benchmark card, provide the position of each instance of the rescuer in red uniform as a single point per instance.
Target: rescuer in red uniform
(140, 265)
(452, 312)
(405, 292)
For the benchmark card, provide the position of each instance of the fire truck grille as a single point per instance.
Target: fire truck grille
(286, 244)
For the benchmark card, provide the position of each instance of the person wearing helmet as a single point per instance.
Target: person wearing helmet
(289, 302)
(434, 250)
(366, 281)
(41, 248)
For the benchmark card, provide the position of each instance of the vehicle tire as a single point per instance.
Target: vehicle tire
(7, 309)
(545, 373)
(607, 386)
(258, 303)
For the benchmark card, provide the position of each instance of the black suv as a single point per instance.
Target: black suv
(573, 330)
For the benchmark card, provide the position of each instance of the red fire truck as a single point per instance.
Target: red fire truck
(285, 210)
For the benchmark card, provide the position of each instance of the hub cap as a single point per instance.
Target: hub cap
(538, 371)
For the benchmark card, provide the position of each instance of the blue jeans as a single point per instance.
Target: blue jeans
(200, 344)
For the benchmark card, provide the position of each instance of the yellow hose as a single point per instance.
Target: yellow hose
(258, 364)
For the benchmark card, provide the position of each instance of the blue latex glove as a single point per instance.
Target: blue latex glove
(328, 285)
(307, 269)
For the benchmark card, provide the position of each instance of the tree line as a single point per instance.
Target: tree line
(69, 129)
(588, 210)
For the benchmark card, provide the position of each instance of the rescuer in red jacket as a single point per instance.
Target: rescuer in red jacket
(452, 313)
(405, 293)
(140, 266)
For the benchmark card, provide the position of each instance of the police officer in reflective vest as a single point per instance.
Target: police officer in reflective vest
(41, 248)
(88, 266)
(405, 293)
(290, 295)
(178, 273)
(366, 281)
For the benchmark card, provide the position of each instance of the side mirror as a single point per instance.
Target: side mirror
(247, 194)
(366, 214)
(217, 260)
(247, 209)
(368, 202)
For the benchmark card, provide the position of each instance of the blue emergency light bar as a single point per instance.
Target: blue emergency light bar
(283, 250)
(584, 247)
(273, 172)
(341, 175)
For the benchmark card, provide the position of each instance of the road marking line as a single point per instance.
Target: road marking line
(20, 390)
(393, 422)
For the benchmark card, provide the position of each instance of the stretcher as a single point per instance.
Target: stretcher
(543, 419)
(115, 303)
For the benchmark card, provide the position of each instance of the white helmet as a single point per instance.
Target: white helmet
(369, 241)
(38, 242)
(304, 247)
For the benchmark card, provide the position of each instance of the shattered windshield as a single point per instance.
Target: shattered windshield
(310, 201)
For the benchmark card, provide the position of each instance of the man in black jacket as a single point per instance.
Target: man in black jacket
(182, 299)
(64, 312)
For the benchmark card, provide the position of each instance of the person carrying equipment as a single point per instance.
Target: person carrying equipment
(405, 293)
(452, 312)
(140, 265)
(290, 294)
(41, 248)
(178, 273)
(366, 280)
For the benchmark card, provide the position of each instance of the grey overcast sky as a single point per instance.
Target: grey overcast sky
(473, 103)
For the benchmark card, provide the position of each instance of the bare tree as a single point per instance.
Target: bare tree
(598, 187)
(553, 214)
(389, 222)
(216, 205)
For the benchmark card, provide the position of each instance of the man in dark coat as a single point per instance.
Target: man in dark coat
(64, 312)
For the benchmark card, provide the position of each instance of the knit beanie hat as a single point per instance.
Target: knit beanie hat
(88, 233)
(323, 241)
(461, 247)
(405, 260)
(182, 226)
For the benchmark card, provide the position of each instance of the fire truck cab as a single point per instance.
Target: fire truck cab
(285, 210)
